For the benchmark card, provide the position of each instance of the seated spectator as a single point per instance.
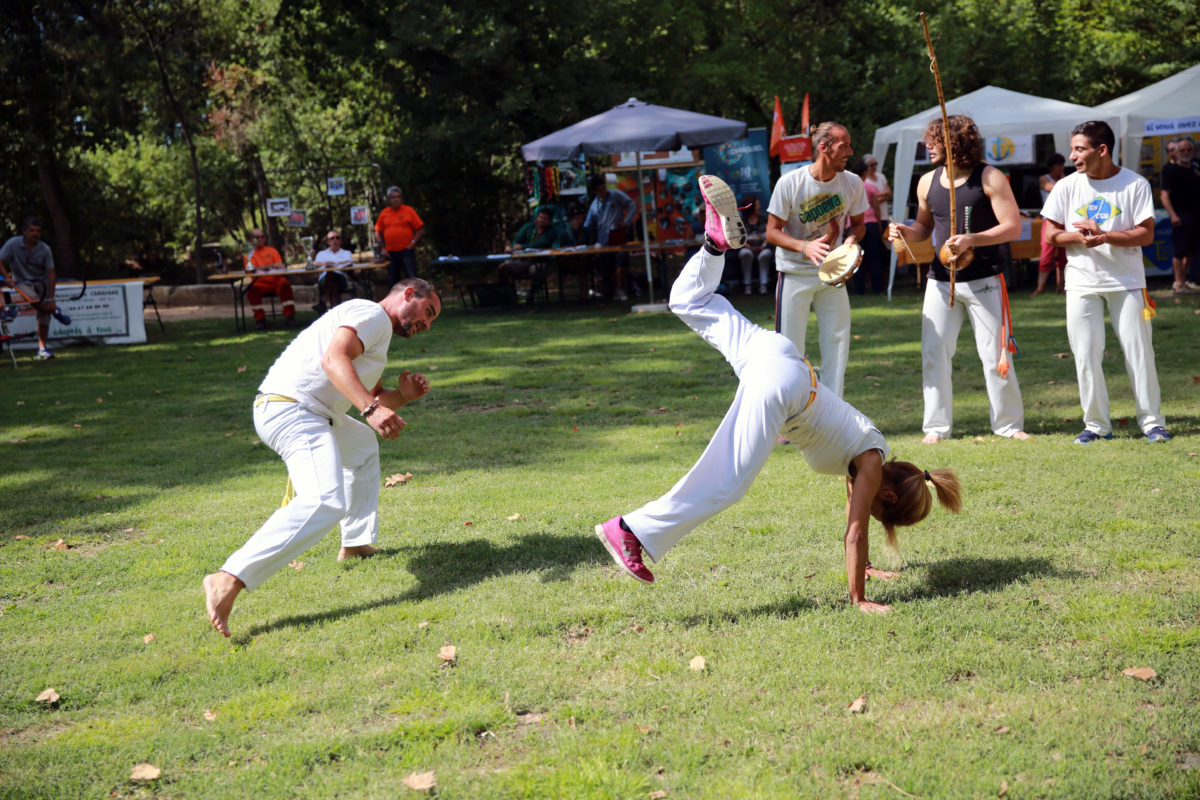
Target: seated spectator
(758, 251)
(576, 234)
(538, 234)
(264, 258)
(332, 282)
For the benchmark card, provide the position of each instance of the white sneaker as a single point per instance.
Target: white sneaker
(747, 289)
(762, 288)
(621, 296)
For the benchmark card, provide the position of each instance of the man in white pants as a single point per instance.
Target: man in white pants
(806, 219)
(1111, 217)
(332, 460)
(988, 214)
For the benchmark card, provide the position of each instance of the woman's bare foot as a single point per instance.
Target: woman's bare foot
(358, 551)
(881, 574)
(1021, 436)
(220, 589)
(931, 438)
(867, 607)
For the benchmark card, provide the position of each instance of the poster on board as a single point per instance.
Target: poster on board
(278, 206)
(335, 187)
(359, 215)
(297, 218)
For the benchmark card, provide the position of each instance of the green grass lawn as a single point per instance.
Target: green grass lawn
(997, 674)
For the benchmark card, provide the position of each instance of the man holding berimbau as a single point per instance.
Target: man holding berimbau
(806, 218)
(27, 264)
(332, 460)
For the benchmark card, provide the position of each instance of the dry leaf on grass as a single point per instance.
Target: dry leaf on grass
(513, 518)
(77, 425)
(1003, 788)
(697, 664)
(468, 524)
(1141, 673)
(241, 369)
(658, 794)
(1195, 379)
(99, 399)
(60, 545)
(48, 696)
(422, 624)
(859, 705)
(529, 718)
(448, 653)
(148, 638)
(1062, 355)
(145, 772)
(421, 781)
(228, 435)
(296, 565)
(1003, 729)
(399, 478)
(21, 536)
(209, 714)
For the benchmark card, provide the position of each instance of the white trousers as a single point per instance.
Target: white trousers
(335, 474)
(981, 300)
(1085, 331)
(795, 296)
(766, 262)
(774, 384)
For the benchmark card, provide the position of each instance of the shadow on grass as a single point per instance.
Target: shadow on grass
(942, 579)
(448, 566)
(966, 575)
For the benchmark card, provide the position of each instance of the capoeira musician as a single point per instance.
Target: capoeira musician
(332, 460)
(777, 393)
(982, 191)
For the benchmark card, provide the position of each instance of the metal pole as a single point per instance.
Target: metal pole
(645, 229)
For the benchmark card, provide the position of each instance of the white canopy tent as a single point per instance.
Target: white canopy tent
(1171, 106)
(997, 112)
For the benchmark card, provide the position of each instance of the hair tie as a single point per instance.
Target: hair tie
(927, 476)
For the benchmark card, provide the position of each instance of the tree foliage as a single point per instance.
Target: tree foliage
(102, 97)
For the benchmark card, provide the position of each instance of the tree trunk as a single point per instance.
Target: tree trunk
(67, 258)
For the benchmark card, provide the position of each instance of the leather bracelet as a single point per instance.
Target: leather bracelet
(366, 412)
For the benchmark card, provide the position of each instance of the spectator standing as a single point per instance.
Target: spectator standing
(873, 176)
(759, 252)
(1052, 259)
(611, 210)
(1181, 198)
(332, 460)
(988, 210)
(806, 218)
(872, 244)
(1111, 216)
(332, 282)
(27, 263)
(264, 258)
(400, 229)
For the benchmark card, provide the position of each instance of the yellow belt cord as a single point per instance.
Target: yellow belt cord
(288, 492)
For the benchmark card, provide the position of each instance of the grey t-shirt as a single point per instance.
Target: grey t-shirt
(27, 266)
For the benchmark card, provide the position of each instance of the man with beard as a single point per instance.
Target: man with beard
(332, 460)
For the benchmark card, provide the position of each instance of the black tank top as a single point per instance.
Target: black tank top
(970, 196)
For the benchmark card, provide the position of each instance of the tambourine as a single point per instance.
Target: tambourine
(840, 264)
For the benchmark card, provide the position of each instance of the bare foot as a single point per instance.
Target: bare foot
(931, 438)
(881, 574)
(220, 589)
(867, 607)
(1021, 436)
(359, 551)
(1036, 292)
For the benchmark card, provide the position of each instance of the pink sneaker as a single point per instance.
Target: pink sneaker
(625, 549)
(722, 222)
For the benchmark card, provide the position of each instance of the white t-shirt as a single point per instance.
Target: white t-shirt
(298, 373)
(831, 432)
(806, 205)
(880, 183)
(342, 258)
(1116, 204)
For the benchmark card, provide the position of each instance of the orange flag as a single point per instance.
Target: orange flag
(804, 117)
(777, 131)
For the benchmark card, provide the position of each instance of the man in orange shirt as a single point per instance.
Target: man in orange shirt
(399, 228)
(266, 257)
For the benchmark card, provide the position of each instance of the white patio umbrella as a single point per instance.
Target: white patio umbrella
(636, 126)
